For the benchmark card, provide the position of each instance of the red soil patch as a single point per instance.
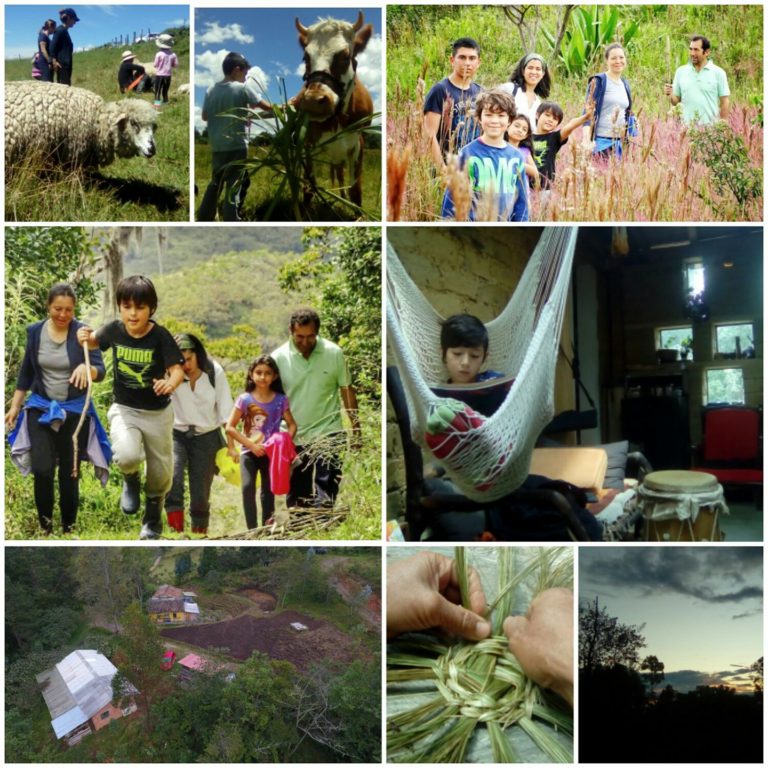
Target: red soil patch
(273, 636)
(264, 600)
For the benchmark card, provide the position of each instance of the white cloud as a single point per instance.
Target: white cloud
(177, 23)
(282, 70)
(369, 65)
(208, 67)
(215, 33)
(198, 117)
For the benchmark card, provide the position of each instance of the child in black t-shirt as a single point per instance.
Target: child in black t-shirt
(146, 366)
(547, 139)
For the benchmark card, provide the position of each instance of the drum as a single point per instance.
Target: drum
(678, 505)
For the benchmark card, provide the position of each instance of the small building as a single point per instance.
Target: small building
(191, 665)
(172, 605)
(78, 694)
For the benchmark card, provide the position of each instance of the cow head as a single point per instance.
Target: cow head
(330, 48)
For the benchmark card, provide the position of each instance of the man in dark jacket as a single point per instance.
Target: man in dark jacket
(62, 48)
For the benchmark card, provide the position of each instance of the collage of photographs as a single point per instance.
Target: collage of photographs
(384, 383)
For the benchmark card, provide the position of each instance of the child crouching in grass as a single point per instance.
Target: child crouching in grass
(147, 368)
(496, 169)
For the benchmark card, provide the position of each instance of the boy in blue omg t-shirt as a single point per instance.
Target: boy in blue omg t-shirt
(496, 169)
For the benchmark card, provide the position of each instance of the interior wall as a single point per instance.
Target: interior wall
(652, 297)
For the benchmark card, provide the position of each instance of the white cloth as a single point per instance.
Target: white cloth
(205, 407)
(521, 102)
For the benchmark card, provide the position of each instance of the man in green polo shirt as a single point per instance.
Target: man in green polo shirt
(317, 383)
(701, 86)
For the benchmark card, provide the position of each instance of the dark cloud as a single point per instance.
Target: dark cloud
(747, 614)
(712, 574)
(685, 680)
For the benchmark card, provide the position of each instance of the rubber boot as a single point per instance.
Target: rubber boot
(130, 498)
(200, 530)
(152, 522)
(176, 519)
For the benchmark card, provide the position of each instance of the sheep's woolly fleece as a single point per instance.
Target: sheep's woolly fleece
(74, 127)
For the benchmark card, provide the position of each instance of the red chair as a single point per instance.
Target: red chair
(732, 448)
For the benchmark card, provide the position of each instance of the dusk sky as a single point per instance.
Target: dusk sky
(267, 37)
(99, 24)
(702, 606)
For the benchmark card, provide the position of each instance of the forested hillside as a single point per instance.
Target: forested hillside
(270, 695)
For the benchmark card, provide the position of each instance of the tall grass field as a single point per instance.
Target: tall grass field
(670, 172)
(265, 185)
(135, 189)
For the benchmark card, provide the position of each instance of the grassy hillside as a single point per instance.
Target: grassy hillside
(670, 173)
(133, 189)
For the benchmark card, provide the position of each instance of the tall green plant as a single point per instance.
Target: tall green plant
(286, 152)
(590, 30)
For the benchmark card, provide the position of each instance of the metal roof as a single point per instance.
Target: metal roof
(77, 688)
(68, 722)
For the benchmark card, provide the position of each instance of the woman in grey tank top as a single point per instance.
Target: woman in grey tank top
(54, 371)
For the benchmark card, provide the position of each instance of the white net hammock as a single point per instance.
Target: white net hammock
(486, 458)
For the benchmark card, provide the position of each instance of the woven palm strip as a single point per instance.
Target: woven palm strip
(477, 683)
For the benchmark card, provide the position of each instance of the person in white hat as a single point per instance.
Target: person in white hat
(165, 61)
(131, 75)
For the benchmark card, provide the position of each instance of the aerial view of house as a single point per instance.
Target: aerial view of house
(78, 694)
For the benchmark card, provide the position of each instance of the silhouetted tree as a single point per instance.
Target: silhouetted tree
(757, 678)
(604, 641)
(654, 671)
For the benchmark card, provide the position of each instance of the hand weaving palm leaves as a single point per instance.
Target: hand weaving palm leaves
(475, 687)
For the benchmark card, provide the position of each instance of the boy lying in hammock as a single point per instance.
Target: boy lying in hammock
(464, 345)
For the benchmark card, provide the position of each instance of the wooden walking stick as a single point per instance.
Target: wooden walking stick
(85, 410)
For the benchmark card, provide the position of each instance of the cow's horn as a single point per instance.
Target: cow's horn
(302, 29)
(359, 23)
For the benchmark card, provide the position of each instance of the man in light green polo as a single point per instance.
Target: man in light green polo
(701, 86)
(317, 383)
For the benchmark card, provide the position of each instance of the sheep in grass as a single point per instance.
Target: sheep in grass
(72, 127)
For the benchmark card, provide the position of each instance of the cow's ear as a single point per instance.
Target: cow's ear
(361, 39)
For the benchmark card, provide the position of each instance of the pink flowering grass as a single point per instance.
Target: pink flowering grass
(657, 180)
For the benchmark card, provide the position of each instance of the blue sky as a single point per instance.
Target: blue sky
(267, 37)
(98, 24)
(702, 607)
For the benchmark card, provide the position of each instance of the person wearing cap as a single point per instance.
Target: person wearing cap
(529, 85)
(165, 62)
(129, 72)
(201, 405)
(62, 49)
(223, 111)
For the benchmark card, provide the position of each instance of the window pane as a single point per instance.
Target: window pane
(695, 278)
(725, 385)
(676, 338)
(727, 336)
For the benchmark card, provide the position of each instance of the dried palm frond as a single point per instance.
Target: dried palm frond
(479, 687)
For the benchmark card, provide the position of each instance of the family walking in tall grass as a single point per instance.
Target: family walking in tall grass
(669, 148)
(170, 403)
